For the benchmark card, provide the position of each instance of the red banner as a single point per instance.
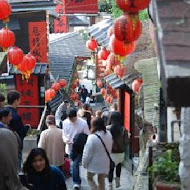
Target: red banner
(127, 112)
(81, 6)
(29, 96)
(60, 26)
(38, 40)
(100, 70)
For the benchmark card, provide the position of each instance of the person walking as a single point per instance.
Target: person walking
(61, 113)
(120, 140)
(84, 93)
(73, 126)
(9, 146)
(40, 175)
(51, 141)
(16, 124)
(95, 157)
(2, 101)
(5, 117)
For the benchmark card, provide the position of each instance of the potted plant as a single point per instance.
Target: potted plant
(164, 172)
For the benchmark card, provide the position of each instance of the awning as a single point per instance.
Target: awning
(40, 69)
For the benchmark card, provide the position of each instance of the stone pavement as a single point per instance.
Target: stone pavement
(126, 181)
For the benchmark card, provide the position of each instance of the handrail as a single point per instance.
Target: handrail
(42, 118)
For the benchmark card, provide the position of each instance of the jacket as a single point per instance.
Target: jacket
(17, 125)
(95, 158)
(79, 142)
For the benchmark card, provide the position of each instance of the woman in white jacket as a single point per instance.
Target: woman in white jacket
(95, 158)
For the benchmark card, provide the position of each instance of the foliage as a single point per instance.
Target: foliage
(84, 35)
(165, 168)
(109, 6)
(3, 89)
(32, 132)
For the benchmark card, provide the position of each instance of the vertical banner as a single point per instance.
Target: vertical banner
(60, 26)
(29, 96)
(100, 68)
(127, 111)
(38, 40)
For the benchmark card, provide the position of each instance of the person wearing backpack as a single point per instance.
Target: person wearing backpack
(120, 140)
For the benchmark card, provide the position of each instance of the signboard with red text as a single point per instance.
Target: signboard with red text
(100, 68)
(38, 40)
(29, 96)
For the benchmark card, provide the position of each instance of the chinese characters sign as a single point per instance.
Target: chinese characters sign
(60, 26)
(38, 40)
(127, 112)
(100, 68)
(81, 6)
(29, 96)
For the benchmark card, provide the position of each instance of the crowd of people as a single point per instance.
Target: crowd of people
(97, 140)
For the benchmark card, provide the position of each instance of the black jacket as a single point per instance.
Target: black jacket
(79, 142)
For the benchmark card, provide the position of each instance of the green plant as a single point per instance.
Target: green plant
(165, 168)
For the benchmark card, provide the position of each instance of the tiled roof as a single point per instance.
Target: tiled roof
(40, 69)
(69, 44)
(99, 31)
(78, 21)
(61, 66)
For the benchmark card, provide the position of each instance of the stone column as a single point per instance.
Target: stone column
(184, 148)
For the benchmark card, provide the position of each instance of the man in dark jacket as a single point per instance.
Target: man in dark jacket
(16, 124)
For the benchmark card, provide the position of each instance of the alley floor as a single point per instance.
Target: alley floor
(126, 181)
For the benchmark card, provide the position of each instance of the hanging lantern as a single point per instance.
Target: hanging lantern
(52, 93)
(5, 9)
(15, 55)
(136, 85)
(112, 61)
(56, 86)
(74, 85)
(47, 96)
(106, 72)
(99, 83)
(63, 83)
(132, 6)
(111, 100)
(110, 31)
(31, 61)
(115, 96)
(120, 48)
(91, 44)
(120, 70)
(74, 96)
(103, 54)
(128, 28)
(7, 38)
(103, 91)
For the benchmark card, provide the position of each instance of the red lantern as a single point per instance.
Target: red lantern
(136, 85)
(74, 96)
(120, 48)
(56, 86)
(91, 44)
(103, 91)
(5, 9)
(110, 31)
(132, 6)
(63, 83)
(7, 38)
(74, 85)
(128, 28)
(115, 96)
(120, 70)
(52, 93)
(15, 55)
(111, 100)
(112, 61)
(103, 54)
(47, 96)
(31, 61)
(106, 72)
(99, 83)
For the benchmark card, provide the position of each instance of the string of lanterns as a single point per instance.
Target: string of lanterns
(24, 63)
(123, 35)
